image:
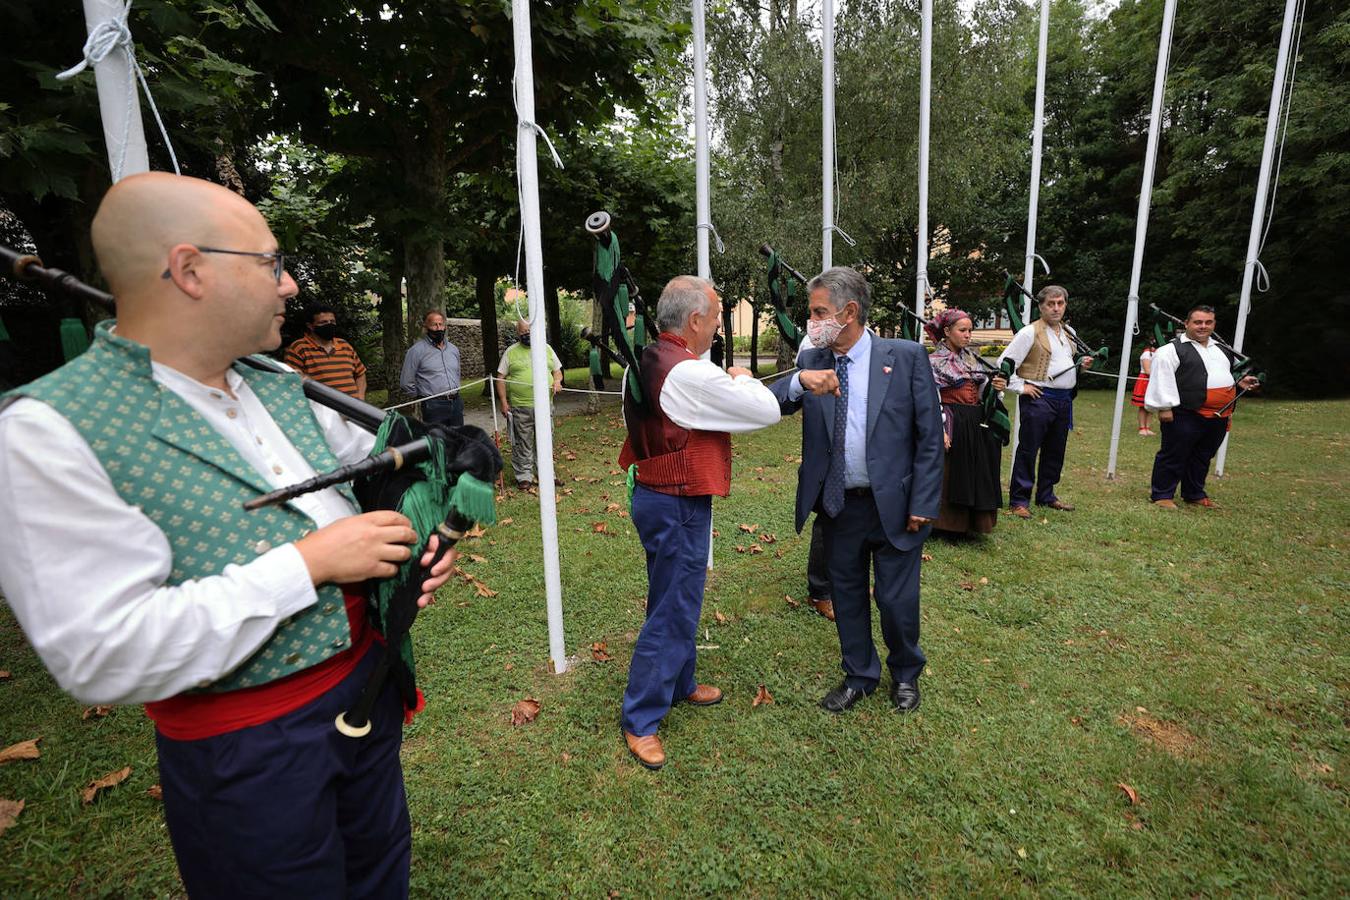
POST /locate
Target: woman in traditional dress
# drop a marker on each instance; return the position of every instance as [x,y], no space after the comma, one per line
[971,489]
[1141,385]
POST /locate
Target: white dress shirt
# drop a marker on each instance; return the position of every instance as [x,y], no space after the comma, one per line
[1061,358]
[701,396]
[1162,377]
[85,572]
[855,426]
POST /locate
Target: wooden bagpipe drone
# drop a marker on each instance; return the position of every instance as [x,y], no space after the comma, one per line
[784,282]
[615,289]
[439,477]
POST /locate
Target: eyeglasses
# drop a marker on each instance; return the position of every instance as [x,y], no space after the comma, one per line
[278,259]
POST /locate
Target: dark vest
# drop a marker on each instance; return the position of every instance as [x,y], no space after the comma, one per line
[671,459]
[1192,376]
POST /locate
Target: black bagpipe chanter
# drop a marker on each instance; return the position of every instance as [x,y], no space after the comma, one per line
[440,477]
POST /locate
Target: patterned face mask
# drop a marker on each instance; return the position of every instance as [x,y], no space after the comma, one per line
[823,332]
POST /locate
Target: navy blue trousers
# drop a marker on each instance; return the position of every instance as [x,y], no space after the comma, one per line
[1044,431]
[817,566]
[443,411]
[1189,442]
[292,808]
[855,542]
[675,533]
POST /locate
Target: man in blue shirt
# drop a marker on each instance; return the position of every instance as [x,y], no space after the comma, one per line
[872,473]
[431,372]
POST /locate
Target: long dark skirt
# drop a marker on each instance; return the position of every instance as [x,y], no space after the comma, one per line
[971,490]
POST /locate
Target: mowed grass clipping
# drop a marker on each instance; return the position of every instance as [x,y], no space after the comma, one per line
[1119,701]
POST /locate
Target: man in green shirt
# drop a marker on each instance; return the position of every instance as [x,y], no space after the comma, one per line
[515,393]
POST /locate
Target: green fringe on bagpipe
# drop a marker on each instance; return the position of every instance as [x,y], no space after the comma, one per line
[74,338]
[426,503]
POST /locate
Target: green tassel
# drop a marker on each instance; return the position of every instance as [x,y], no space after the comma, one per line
[74,338]
[475,499]
[632,481]
[4,333]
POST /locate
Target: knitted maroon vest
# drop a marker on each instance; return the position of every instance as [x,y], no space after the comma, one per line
[671,459]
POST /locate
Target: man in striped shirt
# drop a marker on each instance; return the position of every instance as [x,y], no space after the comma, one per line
[322,355]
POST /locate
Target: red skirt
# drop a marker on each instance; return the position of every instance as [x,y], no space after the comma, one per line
[1140,386]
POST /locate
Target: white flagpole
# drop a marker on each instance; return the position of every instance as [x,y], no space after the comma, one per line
[925,100]
[1141,225]
[1033,203]
[701,193]
[1262,192]
[534,282]
[119,101]
[827,136]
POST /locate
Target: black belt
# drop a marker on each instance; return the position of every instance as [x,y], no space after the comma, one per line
[446,397]
[858,492]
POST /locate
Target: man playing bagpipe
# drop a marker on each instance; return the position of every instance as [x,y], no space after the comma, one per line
[137,575]
[1192,388]
[678,451]
[1046,375]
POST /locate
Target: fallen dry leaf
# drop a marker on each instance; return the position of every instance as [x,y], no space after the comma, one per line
[21,750]
[740,549]
[509,666]
[795,604]
[475,532]
[756,548]
[966,585]
[613,507]
[506,521]
[721,619]
[4,675]
[483,590]
[110,780]
[91,712]
[1129,792]
[474,557]
[599,652]
[1076,720]
[583,510]
[569,455]
[155,791]
[926,557]
[767,538]
[601,528]
[566,757]
[748,529]
[716,533]
[984,581]
[9,813]
[762,696]
[525,711]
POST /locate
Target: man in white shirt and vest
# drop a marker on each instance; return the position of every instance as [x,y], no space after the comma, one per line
[244,634]
[679,441]
[1191,388]
[1047,378]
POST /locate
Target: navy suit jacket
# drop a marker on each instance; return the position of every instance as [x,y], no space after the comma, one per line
[904,437]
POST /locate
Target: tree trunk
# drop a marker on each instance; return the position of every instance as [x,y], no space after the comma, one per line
[424,246]
[393,338]
[485,290]
[754,340]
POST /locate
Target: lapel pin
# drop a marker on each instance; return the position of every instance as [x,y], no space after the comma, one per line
[885,370]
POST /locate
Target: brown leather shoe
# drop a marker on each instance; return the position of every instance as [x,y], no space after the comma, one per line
[646,749]
[704,695]
[1061,505]
[824,607]
[1205,502]
[1020,511]
[1165,503]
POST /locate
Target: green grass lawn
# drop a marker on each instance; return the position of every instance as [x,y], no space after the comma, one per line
[1198,657]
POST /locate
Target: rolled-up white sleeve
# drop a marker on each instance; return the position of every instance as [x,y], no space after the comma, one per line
[1162,381]
[84,573]
[700,396]
[1017,351]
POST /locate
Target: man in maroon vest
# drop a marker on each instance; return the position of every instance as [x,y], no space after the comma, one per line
[679,440]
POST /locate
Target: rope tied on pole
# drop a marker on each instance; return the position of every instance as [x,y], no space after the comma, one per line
[104,38]
[842,233]
[717,238]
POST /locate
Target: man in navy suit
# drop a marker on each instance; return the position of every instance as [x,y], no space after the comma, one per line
[872,472]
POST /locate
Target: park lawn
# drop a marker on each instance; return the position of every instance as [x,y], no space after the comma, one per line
[1197,657]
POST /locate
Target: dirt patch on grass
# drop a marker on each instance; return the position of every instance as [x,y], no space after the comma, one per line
[1169,737]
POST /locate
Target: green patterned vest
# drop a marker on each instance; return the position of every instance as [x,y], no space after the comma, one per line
[165,459]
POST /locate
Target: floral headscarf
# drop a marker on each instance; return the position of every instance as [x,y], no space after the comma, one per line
[938,326]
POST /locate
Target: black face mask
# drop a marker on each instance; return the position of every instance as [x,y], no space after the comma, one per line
[436,335]
[326,331]
[525,339]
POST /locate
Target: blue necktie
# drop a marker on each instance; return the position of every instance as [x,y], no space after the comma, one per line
[834,476]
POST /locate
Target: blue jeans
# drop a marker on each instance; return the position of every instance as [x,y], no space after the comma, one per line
[675,532]
[443,411]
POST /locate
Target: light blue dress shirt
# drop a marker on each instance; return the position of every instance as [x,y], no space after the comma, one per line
[855,428]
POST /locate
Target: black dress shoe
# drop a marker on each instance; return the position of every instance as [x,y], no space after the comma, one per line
[841,698]
[905,696]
